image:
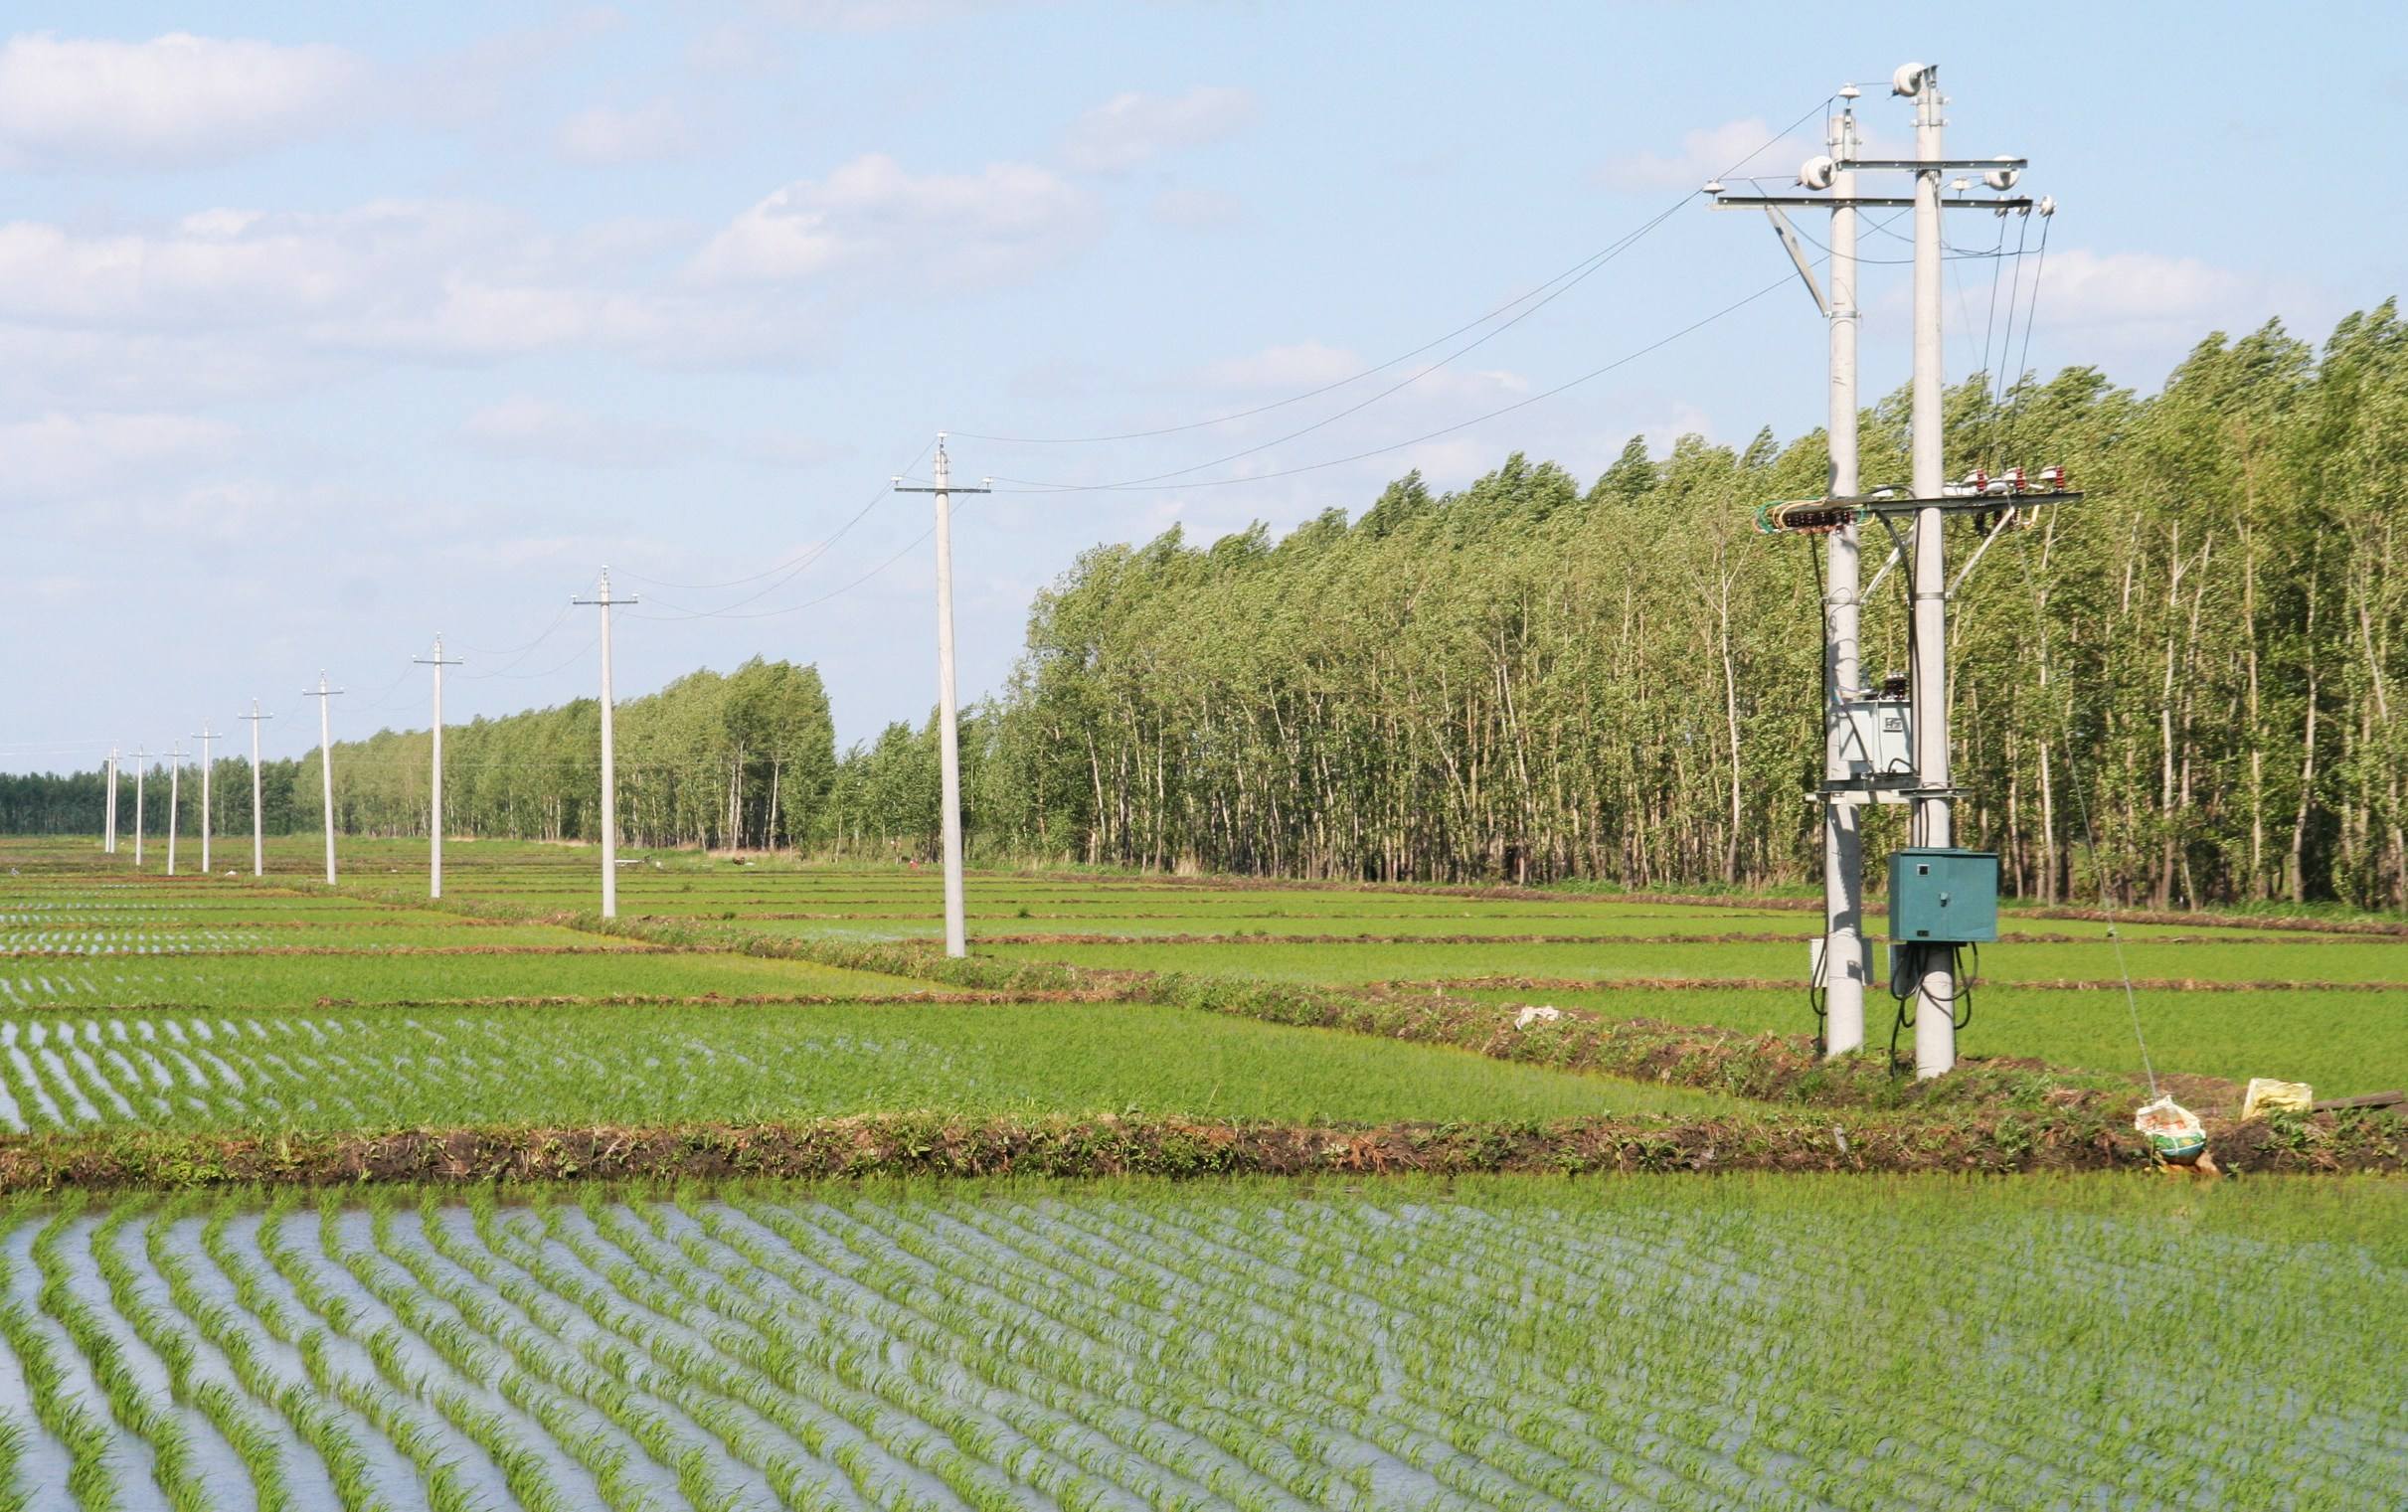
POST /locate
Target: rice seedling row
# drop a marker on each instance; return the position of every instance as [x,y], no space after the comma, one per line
[564,1067]
[1257,1346]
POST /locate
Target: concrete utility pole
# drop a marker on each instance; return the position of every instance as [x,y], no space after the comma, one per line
[1845,957]
[175,782]
[325,761]
[949,722]
[141,769]
[1935,1026]
[434,804]
[259,856]
[109,842]
[206,738]
[609,761]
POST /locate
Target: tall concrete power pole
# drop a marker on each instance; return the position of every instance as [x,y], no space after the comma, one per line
[323,694]
[1844,957]
[1932,825]
[258,850]
[435,801]
[207,738]
[175,783]
[948,718]
[109,842]
[141,769]
[610,758]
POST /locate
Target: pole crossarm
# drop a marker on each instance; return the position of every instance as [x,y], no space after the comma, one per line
[1814,516]
[1916,165]
[1861,201]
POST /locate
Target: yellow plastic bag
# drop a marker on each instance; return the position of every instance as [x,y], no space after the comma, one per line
[2266,1093]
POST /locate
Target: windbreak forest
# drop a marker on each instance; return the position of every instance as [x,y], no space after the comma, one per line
[2205,664]
[1533,680]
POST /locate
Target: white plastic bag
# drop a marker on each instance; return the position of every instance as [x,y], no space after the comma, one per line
[1540,1014]
[2175,1133]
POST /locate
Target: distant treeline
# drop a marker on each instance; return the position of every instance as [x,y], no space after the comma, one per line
[2206,662]
[745,759]
[1532,679]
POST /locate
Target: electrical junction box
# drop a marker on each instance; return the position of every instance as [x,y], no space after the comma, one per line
[1944,895]
[1877,742]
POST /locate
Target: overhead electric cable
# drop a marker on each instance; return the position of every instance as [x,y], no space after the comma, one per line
[382,696]
[521,650]
[1575,274]
[1364,404]
[810,554]
[1573,383]
[570,659]
[808,603]
[2031,318]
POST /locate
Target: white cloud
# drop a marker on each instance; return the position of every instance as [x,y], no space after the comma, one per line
[224,267]
[57,455]
[487,77]
[649,133]
[1703,154]
[1301,365]
[2091,289]
[173,100]
[425,281]
[731,48]
[1130,129]
[874,217]
[537,430]
[871,15]
[1198,208]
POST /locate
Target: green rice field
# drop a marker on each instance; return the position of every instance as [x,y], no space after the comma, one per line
[1523,1345]
[1360,1342]
[2229,998]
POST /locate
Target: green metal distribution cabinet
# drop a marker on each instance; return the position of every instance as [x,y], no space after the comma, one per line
[1940,895]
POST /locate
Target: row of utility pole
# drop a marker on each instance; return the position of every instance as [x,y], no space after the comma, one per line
[948,739]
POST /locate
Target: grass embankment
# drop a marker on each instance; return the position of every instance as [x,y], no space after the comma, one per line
[1973,1141]
[1007,1077]
[2004,1114]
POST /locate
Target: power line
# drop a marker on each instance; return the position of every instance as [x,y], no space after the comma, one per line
[530,646]
[574,656]
[1401,384]
[805,559]
[1573,383]
[1577,273]
[810,603]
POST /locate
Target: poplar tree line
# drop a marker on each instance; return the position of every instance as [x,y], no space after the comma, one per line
[1530,680]
[2203,667]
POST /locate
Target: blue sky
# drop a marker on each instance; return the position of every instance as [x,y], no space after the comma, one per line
[327,328]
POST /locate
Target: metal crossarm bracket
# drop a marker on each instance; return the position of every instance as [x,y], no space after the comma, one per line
[1860,202]
[1969,503]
